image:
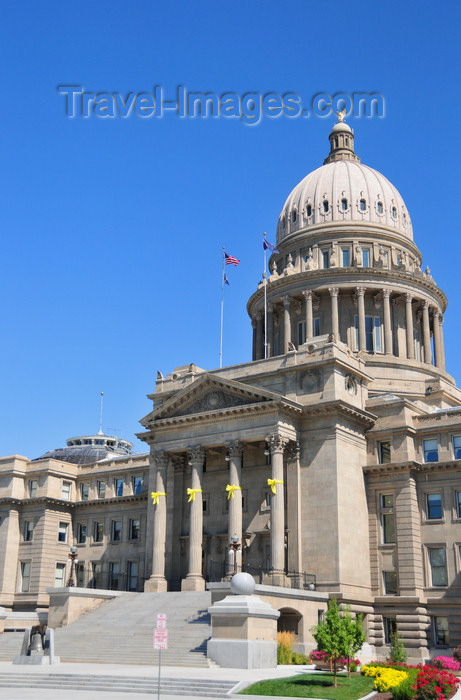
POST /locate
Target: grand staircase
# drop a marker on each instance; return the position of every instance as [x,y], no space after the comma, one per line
[122,629]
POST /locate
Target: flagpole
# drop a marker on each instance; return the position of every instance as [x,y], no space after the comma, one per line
[265,300]
[222,310]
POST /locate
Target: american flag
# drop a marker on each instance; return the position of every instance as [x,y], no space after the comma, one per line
[230,260]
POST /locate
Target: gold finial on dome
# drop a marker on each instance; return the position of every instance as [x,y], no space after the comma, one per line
[341,114]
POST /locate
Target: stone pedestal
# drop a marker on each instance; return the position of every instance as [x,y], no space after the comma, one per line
[193,583]
[156,584]
[243,632]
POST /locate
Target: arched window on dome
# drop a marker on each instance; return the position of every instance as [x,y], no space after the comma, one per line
[326,206]
[379,207]
[363,205]
[394,213]
[309,210]
[344,204]
[294,215]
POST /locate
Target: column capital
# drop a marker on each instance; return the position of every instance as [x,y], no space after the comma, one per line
[408,298]
[425,304]
[196,455]
[293,449]
[307,293]
[270,307]
[179,463]
[234,448]
[161,459]
[334,291]
[360,291]
[386,293]
[286,301]
[258,315]
[276,443]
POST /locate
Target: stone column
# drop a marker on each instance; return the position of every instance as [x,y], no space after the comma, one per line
[309,314]
[270,329]
[334,312]
[194,580]
[259,350]
[426,333]
[360,291]
[276,445]
[437,339]
[286,324]
[442,344]
[409,327]
[388,346]
[157,581]
[235,452]
[294,522]
[253,326]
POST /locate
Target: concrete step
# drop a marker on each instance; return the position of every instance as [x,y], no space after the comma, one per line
[137,684]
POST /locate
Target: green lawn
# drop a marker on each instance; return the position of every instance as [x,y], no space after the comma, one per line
[314,685]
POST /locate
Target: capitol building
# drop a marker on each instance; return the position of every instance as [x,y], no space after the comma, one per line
[332,458]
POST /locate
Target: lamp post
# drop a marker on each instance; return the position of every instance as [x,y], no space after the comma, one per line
[235,546]
[72,560]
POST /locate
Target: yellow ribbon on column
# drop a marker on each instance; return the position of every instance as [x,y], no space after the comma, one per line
[272,482]
[191,493]
[231,488]
[155,495]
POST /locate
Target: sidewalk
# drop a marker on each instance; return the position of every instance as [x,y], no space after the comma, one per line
[228,674]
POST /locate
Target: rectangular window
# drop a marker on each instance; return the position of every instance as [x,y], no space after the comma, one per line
[390,629]
[80,574]
[134,529]
[438,563]
[316,327]
[33,486]
[365,257]
[345,257]
[114,575]
[301,332]
[434,506]
[387,518]
[116,530]
[440,631]
[59,574]
[65,491]
[373,333]
[25,576]
[384,452]
[28,530]
[101,489]
[62,532]
[81,533]
[458,504]
[84,492]
[137,484]
[98,532]
[431,450]
[457,446]
[390,582]
[325,259]
[132,575]
[97,575]
[119,483]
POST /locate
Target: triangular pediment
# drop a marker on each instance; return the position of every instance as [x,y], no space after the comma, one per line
[208,394]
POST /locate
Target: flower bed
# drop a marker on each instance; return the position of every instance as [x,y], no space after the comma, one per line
[412,682]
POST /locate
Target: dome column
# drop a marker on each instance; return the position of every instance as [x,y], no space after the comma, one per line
[276,445]
[409,327]
[235,453]
[437,320]
[426,333]
[309,314]
[360,291]
[388,344]
[259,350]
[334,291]
[286,324]
[270,330]
[157,581]
[194,580]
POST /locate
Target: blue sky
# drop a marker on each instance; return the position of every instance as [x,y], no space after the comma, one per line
[112,228]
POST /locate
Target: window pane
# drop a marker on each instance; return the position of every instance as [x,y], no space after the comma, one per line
[441,631]
[434,505]
[101,489]
[65,493]
[81,533]
[387,501]
[132,575]
[59,575]
[390,582]
[85,490]
[325,259]
[134,529]
[119,487]
[137,484]
[98,532]
[316,326]
[384,452]
[458,504]
[116,530]
[25,576]
[365,257]
[388,528]
[377,347]
[346,256]
[457,446]
[301,332]
[431,453]
[62,532]
[33,485]
[437,558]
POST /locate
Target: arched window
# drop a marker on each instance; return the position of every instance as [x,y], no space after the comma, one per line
[309,210]
[344,204]
[394,213]
[326,206]
[379,207]
[363,205]
[294,215]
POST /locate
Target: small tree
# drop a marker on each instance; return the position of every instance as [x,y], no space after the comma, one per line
[339,635]
[397,653]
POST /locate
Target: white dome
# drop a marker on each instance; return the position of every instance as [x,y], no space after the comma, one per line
[340,192]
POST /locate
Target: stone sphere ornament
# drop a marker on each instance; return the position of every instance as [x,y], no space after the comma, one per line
[242,584]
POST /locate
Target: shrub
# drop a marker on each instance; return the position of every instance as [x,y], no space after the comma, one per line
[397,653]
[386,678]
[434,684]
[284,647]
[446,662]
[299,659]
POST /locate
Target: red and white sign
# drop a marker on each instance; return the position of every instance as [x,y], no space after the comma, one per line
[161,621]
[161,639]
